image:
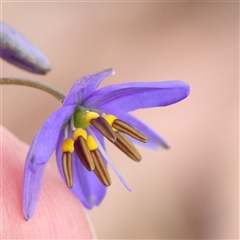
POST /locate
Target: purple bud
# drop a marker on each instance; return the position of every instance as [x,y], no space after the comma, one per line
[17,50]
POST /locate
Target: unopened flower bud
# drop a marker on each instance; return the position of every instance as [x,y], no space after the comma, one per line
[16,49]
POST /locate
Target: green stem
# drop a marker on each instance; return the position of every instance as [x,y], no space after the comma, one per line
[34,84]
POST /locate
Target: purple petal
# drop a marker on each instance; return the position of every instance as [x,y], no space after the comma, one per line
[85,86]
[16,49]
[31,183]
[46,140]
[132,96]
[86,186]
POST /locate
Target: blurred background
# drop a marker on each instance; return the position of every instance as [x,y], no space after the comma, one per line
[189,191]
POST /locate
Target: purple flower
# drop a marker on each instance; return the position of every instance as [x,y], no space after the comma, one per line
[16,49]
[76,131]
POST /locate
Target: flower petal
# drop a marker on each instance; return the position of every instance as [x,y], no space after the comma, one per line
[155,141]
[45,141]
[31,183]
[86,186]
[132,96]
[85,86]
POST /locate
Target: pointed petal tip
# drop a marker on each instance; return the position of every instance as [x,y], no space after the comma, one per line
[113,72]
[109,71]
[27,216]
[179,84]
[186,86]
[165,145]
[187,89]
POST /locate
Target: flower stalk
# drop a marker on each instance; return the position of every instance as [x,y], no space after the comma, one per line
[34,84]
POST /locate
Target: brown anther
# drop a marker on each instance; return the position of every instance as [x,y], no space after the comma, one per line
[83,153]
[67,168]
[100,168]
[104,128]
[127,147]
[129,130]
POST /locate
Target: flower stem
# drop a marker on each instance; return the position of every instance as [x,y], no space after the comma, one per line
[34,84]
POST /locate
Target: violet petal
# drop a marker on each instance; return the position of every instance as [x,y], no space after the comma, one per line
[47,137]
[131,96]
[32,183]
[85,86]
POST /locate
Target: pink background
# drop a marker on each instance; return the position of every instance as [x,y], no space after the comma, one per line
[189,191]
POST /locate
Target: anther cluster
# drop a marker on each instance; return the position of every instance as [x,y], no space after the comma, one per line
[86,145]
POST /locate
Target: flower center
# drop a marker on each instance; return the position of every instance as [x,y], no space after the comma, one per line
[87,147]
[78,119]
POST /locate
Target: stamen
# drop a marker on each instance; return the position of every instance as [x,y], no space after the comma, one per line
[67,168]
[83,153]
[104,154]
[92,145]
[109,118]
[104,128]
[67,149]
[67,145]
[79,132]
[90,115]
[127,147]
[129,130]
[100,169]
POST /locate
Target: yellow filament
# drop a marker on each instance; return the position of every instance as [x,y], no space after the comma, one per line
[79,132]
[92,145]
[110,119]
[67,145]
[90,115]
